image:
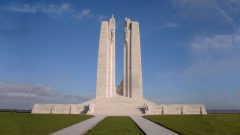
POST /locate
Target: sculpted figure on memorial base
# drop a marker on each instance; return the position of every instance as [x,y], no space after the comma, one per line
[112,27]
[126,31]
[90,107]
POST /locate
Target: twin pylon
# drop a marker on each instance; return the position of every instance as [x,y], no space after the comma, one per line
[131,85]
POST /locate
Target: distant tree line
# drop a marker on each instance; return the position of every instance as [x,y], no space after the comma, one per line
[15,110]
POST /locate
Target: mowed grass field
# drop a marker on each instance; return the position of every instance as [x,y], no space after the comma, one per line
[116,125]
[35,124]
[212,124]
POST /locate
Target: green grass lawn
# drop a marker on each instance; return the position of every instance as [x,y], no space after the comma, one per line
[116,125]
[212,124]
[35,124]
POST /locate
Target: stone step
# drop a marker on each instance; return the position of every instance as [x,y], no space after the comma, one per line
[117,107]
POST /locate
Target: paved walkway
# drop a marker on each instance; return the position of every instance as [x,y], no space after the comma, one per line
[81,127]
[151,128]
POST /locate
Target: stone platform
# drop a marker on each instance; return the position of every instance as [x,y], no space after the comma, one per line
[119,106]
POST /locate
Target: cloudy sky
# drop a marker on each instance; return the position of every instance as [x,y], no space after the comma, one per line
[190,50]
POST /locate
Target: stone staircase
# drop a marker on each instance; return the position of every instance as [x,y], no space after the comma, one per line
[118,106]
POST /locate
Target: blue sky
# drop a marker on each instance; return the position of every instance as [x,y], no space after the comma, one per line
[190,50]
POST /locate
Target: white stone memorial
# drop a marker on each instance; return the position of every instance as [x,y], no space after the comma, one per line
[127,98]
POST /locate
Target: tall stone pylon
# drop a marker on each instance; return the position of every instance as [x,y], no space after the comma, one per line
[132,70]
[105,87]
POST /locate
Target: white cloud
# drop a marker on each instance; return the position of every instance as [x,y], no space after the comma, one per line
[212,75]
[170,25]
[225,15]
[52,10]
[216,57]
[101,17]
[25,91]
[41,8]
[237,2]
[207,9]
[22,8]
[193,3]
[57,8]
[81,14]
[75,97]
[217,43]
[23,96]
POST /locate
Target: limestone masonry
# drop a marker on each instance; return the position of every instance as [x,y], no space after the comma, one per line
[105,87]
[127,98]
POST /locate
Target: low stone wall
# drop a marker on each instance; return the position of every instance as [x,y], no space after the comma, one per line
[61,109]
[77,109]
[191,109]
[172,109]
[58,109]
[184,109]
[42,108]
